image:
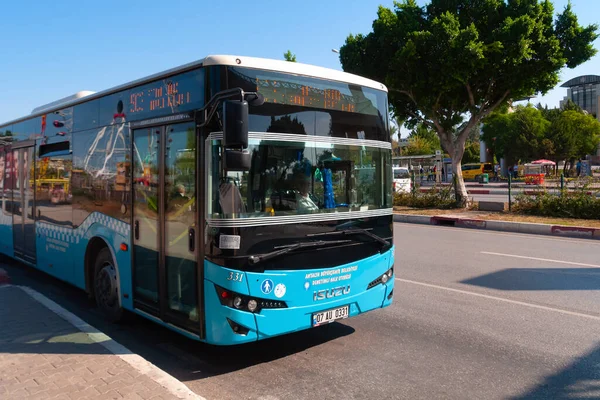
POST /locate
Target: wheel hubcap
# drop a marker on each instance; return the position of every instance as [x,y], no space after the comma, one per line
[106,285]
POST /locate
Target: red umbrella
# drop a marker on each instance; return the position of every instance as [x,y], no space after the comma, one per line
[544,162]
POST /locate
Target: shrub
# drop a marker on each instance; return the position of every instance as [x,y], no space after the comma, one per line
[577,204]
[434,198]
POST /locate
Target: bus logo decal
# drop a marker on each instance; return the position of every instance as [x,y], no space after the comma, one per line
[280,290]
[330,293]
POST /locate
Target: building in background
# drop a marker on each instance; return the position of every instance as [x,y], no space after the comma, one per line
[584,91]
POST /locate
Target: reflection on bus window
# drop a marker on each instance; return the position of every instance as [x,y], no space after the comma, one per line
[101,172]
[53,190]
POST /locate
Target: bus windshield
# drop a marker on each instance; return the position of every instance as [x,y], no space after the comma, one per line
[318,146]
[299,176]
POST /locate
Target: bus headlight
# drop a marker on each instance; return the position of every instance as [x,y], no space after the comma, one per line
[237,302]
[383,279]
[242,302]
[252,305]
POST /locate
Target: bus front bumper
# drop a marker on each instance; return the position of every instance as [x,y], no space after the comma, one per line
[228,326]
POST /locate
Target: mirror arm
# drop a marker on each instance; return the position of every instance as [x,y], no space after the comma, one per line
[209,110]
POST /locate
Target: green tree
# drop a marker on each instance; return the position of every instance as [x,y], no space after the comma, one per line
[418,146]
[451,63]
[530,130]
[574,134]
[520,135]
[471,152]
[498,134]
[422,131]
[289,56]
[422,141]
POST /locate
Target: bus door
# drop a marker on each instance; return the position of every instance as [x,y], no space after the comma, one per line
[23,201]
[164,223]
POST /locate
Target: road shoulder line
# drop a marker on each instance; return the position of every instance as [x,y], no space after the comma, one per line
[516,302]
[170,383]
[540,259]
[576,232]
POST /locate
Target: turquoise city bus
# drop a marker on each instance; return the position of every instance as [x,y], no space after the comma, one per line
[231,199]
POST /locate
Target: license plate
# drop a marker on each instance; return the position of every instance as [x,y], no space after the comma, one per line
[328,316]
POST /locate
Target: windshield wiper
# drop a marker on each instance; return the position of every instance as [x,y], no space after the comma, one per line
[356,231]
[286,249]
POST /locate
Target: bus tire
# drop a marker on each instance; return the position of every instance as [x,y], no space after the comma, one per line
[106,286]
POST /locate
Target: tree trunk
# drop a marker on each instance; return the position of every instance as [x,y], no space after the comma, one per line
[462,197]
[456,149]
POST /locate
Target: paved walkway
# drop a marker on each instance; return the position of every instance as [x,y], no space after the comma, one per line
[48,353]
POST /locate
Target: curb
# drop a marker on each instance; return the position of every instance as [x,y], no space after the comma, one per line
[502,192]
[503,226]
[174,386]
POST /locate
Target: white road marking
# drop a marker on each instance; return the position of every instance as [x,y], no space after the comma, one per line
[541,259]
[177,388]
[504,233]
[486,296]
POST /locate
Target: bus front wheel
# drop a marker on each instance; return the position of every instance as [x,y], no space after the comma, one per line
[106,286]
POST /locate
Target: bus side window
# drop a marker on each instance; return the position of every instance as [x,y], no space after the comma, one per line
[53,187]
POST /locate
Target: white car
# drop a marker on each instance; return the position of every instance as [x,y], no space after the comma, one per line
[402,182]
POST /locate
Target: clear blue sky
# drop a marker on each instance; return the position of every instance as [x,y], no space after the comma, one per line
[53,52]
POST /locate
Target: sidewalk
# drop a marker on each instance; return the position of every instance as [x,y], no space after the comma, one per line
[48,353]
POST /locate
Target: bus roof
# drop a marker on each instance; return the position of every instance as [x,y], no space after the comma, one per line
[228,60]
[293,68]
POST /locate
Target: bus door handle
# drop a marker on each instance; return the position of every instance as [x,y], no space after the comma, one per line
[191,239]
[136,229]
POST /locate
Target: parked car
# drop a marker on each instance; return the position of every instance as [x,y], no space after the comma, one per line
[472,171]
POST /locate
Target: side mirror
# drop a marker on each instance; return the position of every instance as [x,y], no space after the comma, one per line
[235,124]
[237,160]
[235,135]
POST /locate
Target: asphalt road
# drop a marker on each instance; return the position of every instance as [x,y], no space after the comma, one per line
[477,315]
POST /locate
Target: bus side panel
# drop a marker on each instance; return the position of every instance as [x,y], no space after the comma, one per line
[6,235]
[61,250]
[54,246]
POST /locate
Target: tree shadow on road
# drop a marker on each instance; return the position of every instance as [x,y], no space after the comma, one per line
[539,279]
[580,380]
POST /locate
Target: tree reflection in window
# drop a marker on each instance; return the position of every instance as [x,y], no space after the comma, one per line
[53,190]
